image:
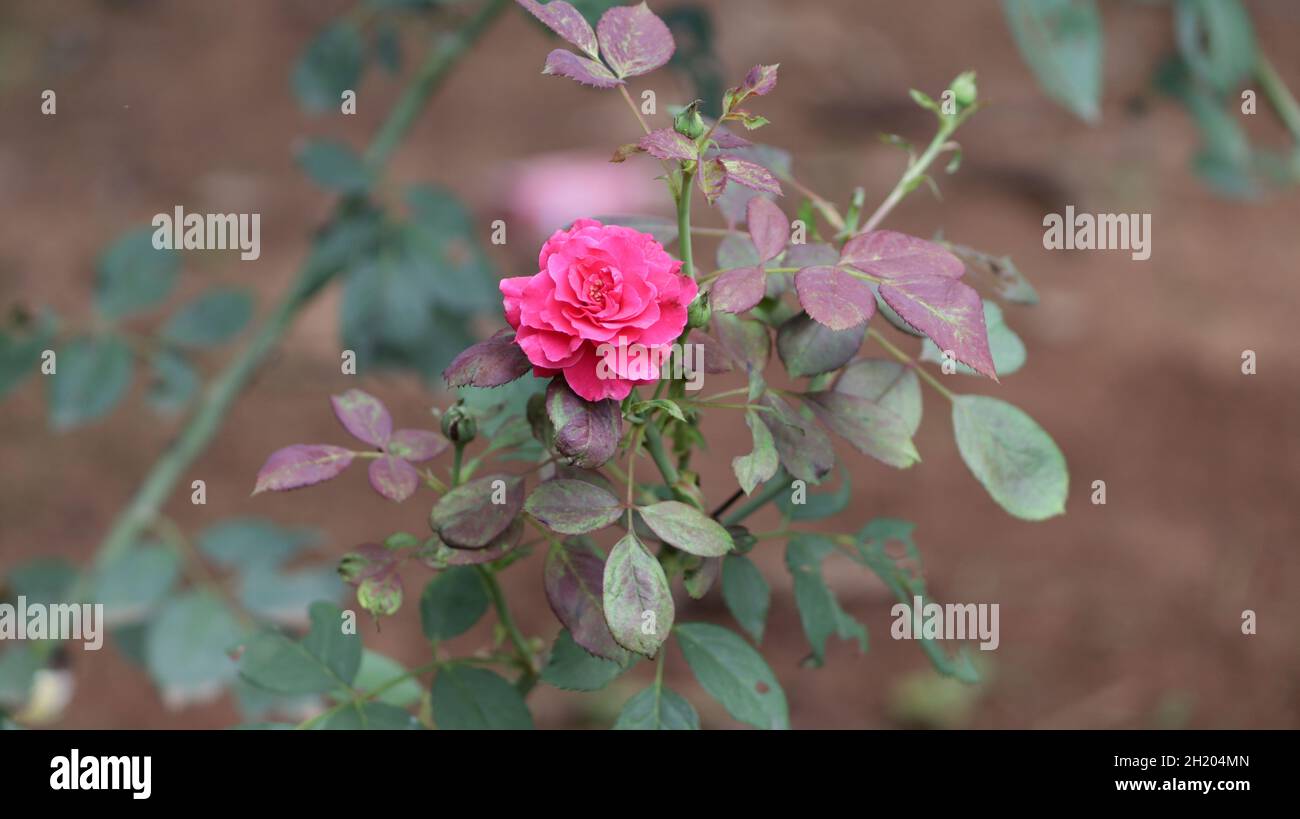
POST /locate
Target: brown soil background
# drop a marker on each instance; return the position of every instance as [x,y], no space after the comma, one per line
[1123,615]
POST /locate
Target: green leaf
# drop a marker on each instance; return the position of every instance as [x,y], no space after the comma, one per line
[334,166]
[1216,40]
[902,575]
[734,674]
[1007,348]
[817,505]
[871,428]
[285,597]
[133,275]
[213,318]
[452,603]
[19,354]
[808,347]
[657,709]
[761,463]
[637,599]
[186,648]
[467,698]
[245,543]
[376,670]
[45,580]
[135,583]
[819,610]
[889,384]
[1007,451]
[370,716]
[670,407]
[746,593]
[173,382]
[332,64]
[325,660]
[573,507]
[687,528]
[572,668]
[1061,41]
[92,375]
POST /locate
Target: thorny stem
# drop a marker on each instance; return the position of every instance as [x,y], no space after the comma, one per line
[911,362]
[218,397]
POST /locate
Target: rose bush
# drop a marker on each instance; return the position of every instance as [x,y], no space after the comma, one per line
[815,288]
[599,288]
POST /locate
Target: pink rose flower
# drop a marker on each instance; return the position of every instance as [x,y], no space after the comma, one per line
[604,309]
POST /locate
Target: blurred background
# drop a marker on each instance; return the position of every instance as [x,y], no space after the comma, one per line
[1124,615]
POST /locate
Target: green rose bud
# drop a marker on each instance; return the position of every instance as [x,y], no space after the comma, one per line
[699,312]
[459,425]
[689,123]
[963,90]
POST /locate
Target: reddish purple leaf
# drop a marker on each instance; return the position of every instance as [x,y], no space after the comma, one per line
[768,227]
[889,254]
[804,448]
[574,577]
[745,340]
[588,72]
[738,290]
[474,514]
[833,297]
[393,478]
[491,363]
[751,175]
[726,140]
[712,176]
[301,465]
[761,79]
[633,40]
[815,254]
[716,358]
[417,444]
[665,143]
[565,21]
[363,415]
[949,312]
[438,555]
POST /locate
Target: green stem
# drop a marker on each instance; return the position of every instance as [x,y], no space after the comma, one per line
[456,459]
[529,678]
[914,172]
[218,397]
[655,443]
[774,487]
[684,223]
[1279,95]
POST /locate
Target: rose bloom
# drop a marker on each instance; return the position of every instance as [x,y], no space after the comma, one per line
[604,308]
